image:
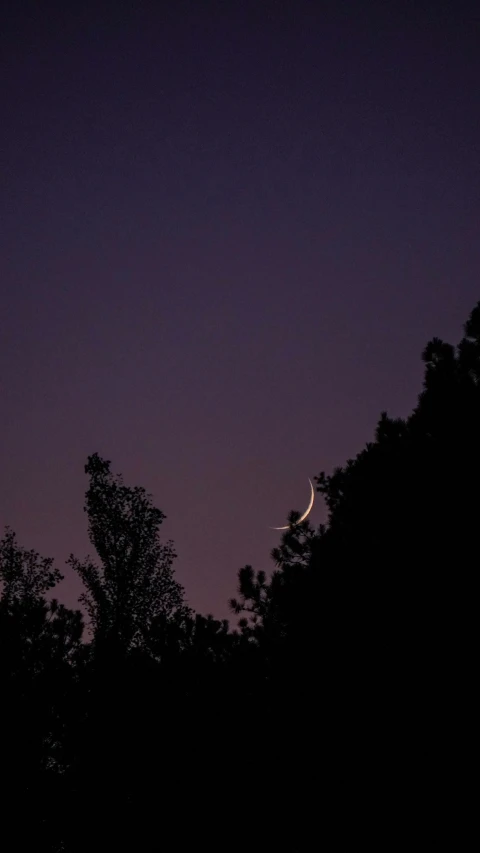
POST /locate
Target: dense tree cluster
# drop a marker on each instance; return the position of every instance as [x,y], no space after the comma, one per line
[315,719]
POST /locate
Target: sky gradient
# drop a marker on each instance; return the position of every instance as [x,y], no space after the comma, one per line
[227,231]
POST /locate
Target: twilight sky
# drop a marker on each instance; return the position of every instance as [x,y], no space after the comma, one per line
[227,230]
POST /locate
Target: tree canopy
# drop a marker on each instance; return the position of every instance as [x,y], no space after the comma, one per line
[134,587]
[347,664]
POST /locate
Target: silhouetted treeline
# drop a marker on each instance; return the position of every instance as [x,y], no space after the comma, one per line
[333,715]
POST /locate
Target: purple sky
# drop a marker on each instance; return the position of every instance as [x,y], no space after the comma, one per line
[227,230]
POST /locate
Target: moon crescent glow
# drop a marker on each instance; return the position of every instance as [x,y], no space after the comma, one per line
[312,498]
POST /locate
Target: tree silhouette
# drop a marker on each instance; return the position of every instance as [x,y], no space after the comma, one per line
[25,576]
[374,612]
[40,633]
[134,585]
[40,647]
[352,661]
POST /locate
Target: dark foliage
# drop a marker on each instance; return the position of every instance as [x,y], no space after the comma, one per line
[134,588]
[325,718]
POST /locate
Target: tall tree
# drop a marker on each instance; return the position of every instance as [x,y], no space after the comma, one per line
[134,585]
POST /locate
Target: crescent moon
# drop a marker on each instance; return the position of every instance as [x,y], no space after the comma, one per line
[312,498]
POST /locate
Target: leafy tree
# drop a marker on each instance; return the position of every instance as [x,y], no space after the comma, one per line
[134,584]
[409,496]
[40,632]
[25,576]
[40,648]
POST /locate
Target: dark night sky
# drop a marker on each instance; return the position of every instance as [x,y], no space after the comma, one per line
[227,231]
